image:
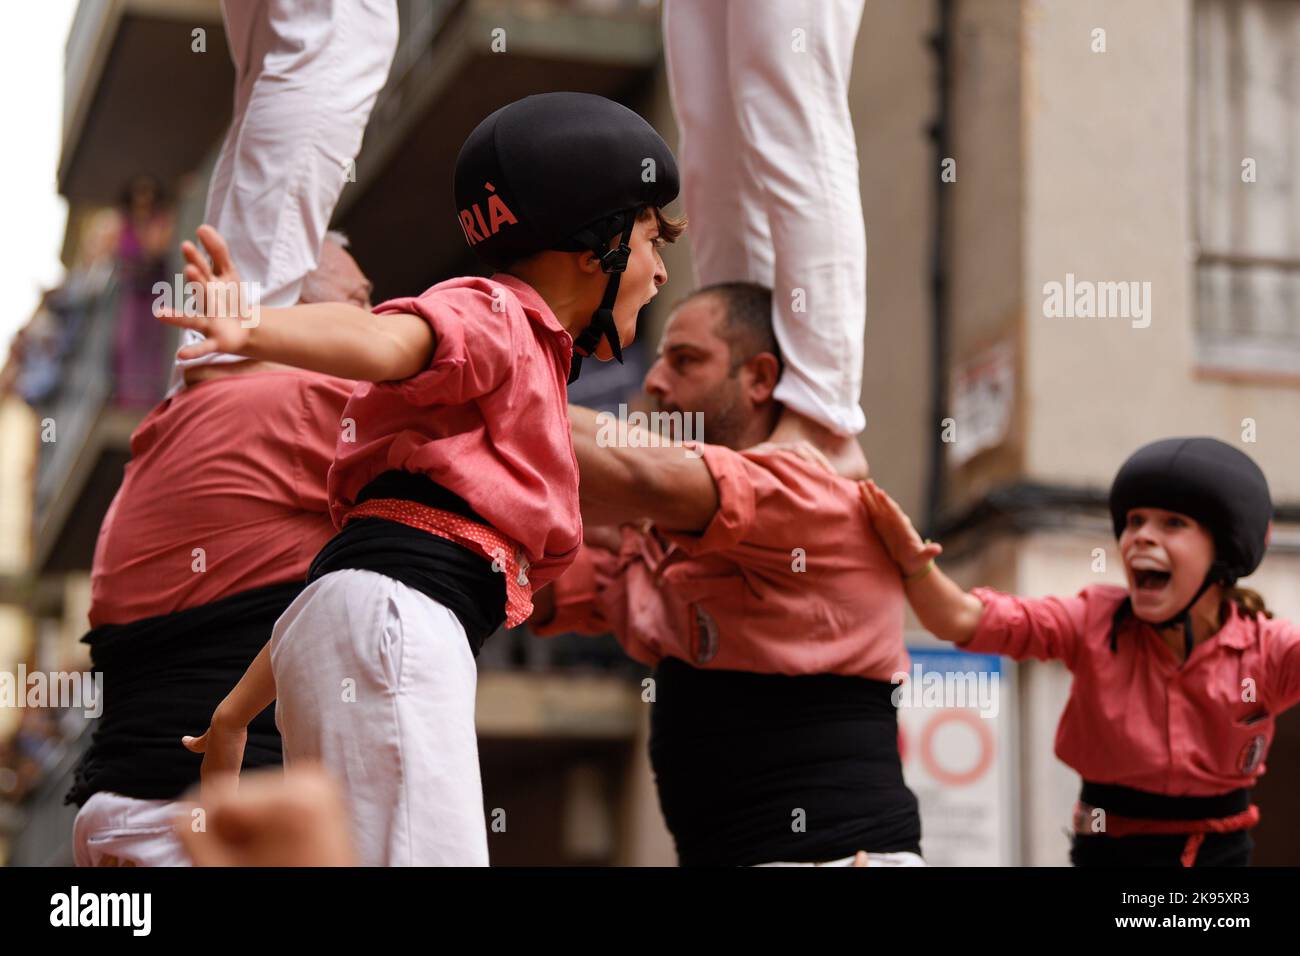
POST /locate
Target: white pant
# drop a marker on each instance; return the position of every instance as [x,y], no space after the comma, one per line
[377,682]
[113,830]
[769,169]
[306,77]
[904,858]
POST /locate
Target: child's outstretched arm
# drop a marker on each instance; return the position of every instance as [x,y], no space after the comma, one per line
[329,337]
[222,744]
[945,610]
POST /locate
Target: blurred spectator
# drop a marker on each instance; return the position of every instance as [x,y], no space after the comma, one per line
[32,370]
[25,758]
[139,364]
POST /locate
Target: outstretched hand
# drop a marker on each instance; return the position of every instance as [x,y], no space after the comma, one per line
[223,755]
[223,311]
[216,266]
[908,549]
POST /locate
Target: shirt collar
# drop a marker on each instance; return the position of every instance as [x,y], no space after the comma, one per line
[533,302]
[1236,631]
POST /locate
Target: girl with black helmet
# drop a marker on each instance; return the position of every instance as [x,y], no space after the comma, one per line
[1178,678]
[454,482]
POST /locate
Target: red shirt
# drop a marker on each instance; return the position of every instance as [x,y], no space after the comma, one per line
[488,420]
[234,466]
[788,578]
[1134,717]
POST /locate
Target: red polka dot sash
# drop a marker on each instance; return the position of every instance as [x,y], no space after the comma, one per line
[486,540]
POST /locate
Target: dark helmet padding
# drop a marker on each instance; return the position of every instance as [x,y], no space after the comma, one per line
[568,172]
[1206,479]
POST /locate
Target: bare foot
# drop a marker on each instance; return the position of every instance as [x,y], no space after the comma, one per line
[842,451]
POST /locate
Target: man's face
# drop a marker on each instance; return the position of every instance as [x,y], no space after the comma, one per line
[337,278]
[692,372]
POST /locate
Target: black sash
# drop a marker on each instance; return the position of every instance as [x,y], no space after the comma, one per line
[459,579]
[1144,805]
[1161,849]
[163,677]
[736,756]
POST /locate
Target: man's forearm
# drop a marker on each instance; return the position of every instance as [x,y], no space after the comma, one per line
[623,483]
[343,340]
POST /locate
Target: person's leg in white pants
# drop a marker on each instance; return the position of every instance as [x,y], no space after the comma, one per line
[770,179]
[306,78]
[115,830]
[376,681]
[729,235]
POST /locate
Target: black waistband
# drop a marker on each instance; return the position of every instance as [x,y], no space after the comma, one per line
[1128,802]
[162,678]
[755,768]
[410,486]
[459,579]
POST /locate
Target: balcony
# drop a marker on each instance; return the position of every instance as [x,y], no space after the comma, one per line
[136,98]
[79,471]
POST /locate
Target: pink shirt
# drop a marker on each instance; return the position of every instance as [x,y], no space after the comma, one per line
[488,420]
[1134,717]
[788,578]
[234,466]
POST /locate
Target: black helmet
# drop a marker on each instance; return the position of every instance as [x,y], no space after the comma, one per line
[1206,479]
[563,171]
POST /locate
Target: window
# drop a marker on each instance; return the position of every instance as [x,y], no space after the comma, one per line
[1246,168]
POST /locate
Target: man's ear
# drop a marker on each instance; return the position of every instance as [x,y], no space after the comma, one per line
[764,371]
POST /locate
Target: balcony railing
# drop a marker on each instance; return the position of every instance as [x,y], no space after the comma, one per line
[84,389]
[85,435]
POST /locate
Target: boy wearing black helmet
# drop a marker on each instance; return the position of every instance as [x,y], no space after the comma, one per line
[1178,678]
[454,482]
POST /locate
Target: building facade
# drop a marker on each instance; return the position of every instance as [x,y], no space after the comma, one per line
[1081,224]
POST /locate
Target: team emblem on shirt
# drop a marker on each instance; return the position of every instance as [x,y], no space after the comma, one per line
[1252,755]
[706,636]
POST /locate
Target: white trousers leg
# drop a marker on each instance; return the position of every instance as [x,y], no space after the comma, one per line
[113,830]
[307,73]
[377,682]
[769,171]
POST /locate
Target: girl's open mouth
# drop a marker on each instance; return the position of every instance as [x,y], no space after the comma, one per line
[1150,580]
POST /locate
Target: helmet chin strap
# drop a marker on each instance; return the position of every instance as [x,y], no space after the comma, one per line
[613,262]
[1217,574]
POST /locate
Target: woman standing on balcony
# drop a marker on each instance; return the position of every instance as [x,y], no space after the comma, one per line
[139,341]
